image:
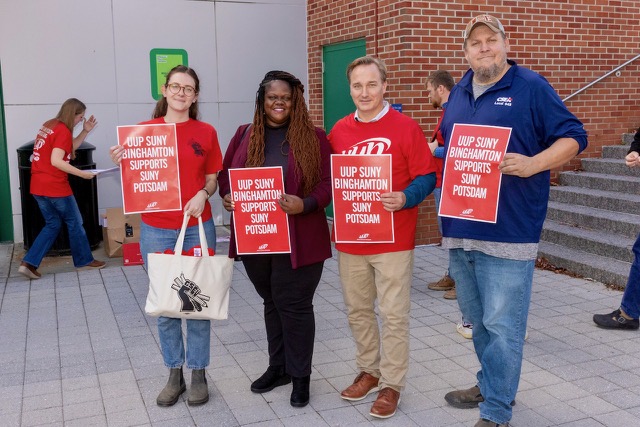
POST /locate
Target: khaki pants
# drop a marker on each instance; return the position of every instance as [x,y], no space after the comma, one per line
[387,278]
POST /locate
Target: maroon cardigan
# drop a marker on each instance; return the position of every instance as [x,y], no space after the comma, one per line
[309,232]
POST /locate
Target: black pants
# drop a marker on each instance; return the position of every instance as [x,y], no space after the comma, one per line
[288,308]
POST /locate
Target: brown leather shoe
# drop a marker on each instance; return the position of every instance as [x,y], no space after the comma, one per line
[29,270]
[450,294]
[386,404]
[96,264]
[362,386]
[443,284]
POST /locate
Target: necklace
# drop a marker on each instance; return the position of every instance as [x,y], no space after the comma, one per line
[284,144]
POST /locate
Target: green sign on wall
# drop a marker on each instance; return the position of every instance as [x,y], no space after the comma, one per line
[162,61]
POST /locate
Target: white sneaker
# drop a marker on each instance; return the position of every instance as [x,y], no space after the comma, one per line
[465,329]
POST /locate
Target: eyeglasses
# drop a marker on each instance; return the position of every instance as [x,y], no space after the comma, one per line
[175,88]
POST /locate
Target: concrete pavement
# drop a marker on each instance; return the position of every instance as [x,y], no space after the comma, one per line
[76,349]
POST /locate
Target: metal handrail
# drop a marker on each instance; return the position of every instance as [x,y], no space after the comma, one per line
[615,70]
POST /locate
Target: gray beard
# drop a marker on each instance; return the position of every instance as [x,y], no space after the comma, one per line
[488,74]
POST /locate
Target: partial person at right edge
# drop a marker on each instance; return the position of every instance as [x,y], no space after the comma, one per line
[626,317]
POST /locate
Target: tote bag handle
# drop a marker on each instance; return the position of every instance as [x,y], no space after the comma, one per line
[177,251]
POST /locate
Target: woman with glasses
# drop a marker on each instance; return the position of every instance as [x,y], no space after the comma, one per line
[53,149]
[282,134]
[199,160]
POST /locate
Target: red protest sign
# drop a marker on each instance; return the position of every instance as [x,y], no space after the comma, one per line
[471,178]
[149,168]
[357,182]
[260,225]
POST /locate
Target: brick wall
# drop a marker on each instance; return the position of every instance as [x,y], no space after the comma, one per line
[570,42]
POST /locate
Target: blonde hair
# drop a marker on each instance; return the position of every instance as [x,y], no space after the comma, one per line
[368,60]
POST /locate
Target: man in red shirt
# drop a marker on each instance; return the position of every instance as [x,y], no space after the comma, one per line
[382,270]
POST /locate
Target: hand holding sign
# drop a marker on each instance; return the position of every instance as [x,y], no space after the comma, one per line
[228,203]
[518,165]
[291,204]
[393,201]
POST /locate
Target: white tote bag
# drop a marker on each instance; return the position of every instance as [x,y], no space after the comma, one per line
[189,287]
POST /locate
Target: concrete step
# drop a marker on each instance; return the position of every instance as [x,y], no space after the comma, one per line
[602,269]
[609,166]
[610,245]
[625,224]
[601,181]
[615,151]
[602,199]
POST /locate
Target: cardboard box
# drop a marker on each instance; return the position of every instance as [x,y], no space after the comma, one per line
[118,229]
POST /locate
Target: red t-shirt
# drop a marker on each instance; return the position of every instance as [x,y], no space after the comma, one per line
[198,155]
[46,179]
[402,137]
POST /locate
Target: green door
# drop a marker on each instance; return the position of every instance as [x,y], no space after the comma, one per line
[336,100]
[6,215]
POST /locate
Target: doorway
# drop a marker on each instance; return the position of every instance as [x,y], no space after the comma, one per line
[336,100]
[6,214]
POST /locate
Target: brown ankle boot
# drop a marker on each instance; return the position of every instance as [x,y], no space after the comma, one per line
[174,388]
[199,392]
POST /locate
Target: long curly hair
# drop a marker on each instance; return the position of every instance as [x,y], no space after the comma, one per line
[301,134]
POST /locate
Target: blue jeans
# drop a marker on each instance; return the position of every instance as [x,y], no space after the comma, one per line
[631,297]
[55,210]
[153,240]
[494,295]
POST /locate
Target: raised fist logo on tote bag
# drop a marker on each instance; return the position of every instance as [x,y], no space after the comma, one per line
[190,294]
[190,287]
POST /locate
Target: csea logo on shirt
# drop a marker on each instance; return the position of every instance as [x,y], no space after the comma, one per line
[369,146]
[503,100]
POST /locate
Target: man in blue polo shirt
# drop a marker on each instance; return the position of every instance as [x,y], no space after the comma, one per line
[492,263]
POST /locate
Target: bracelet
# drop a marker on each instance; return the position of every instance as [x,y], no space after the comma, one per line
[205,190]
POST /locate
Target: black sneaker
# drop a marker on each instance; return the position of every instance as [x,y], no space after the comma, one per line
[615,320]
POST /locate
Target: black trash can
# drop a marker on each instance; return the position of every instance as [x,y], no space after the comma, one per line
[84,190]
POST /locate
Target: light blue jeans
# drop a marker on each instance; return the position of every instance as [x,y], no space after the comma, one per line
[153,240]
[494,295]
[631,297]
[55,210]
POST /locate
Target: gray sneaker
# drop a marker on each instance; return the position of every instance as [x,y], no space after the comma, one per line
[465,399]
[486,423]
